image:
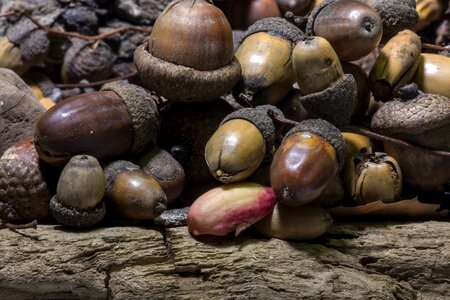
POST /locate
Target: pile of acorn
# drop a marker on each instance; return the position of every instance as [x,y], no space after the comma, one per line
[335,105]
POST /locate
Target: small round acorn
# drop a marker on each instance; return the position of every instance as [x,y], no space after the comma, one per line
[242,141]
[78,200]
[121,119]
[310,156]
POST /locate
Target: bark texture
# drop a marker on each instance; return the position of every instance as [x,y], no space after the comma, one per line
[352,261]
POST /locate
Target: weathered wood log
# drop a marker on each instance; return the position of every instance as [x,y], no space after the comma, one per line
[352,261]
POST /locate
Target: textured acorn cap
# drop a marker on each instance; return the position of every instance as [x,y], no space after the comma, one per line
[184,84]
[77,218]
[275,26]
[143,111]
[259,117]
[425,120]
[327,131]
[24,194]
[336,103]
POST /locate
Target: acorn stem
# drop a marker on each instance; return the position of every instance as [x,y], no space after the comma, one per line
[32,224]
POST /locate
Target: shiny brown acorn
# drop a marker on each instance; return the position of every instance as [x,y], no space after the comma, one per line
[120,119]
[309,157]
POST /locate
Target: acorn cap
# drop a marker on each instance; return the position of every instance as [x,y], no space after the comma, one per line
[77,218]
[24,194]
[325,130]
[276,26]
[33,42]
[184,84]
[113,168]
[143,111]
[424,120]
[259,117]
[336,103]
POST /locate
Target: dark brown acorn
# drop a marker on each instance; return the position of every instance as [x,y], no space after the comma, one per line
[132,193]
[121,119]
[189,54]
[309,157]
[344,23]
[246,12]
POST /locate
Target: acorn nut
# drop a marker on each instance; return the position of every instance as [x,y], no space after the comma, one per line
[265,57]
[245,13]
[239,145]
[189,54]
[310,156]
[132,193]
[297,7]
[344,23]
[373,176]
[24,184]
[429,11]
[433,74]
[121,119]
[396,65]
[328,92]
[79,193]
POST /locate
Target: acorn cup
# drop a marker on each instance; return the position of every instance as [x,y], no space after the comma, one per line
[78,200]
[242,141]
[433,74]
[344,23]
[189,54]
[373,176]
[400,118]
[120,120]
[23,46]
[133,194]
[265,57]
[310,156]
[328,92]
[396,65]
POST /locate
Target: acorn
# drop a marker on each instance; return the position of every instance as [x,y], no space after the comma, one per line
[132,193]
[228,208]
[119,120]
[310,156]
[166,170]
[373,176]
[23,46]
[82,61]
[24,190]
[242,141]
[433,74]
[78,200]
[362,83]
[396,65]
[328,92]
[396,15]
[189,54]
[344,23]
[265,57]
[292,108]
[422,120]
[301,223]
[19,109]
[245,13]
[429,11]
[297,7]
[332,195]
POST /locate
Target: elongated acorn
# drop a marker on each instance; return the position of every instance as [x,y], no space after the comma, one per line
[78,200]
[239,145]
[396,65]
[228,208]
[309,157]
[429,11]
[373,176]
[328,92]
[301,223]
[433,74]
[132,193]
[265,57]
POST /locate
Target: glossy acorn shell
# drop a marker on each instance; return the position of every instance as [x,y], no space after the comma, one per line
[246,12]
[192,33]
[344,23]
[297,7]
[301,168]
[433,74]
[96,124]
[82,183]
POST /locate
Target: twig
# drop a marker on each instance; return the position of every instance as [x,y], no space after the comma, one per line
[7,14]
[434,47]
[380,137]
[96,83]
[18,226]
